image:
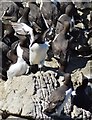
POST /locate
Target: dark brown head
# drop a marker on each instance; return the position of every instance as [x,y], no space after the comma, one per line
[8,30]
[40,38]
[24,40]
[69,10]
[12,11]
[67,79]
[12,56]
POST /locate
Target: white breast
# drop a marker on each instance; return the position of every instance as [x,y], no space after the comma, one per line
[19,51]
[17,69]
[38,53]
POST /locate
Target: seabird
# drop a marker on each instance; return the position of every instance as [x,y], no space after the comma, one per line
[60,46]
[38,53]
[68,16]
[8,29]
[38,50]
[35,16]
[4,62]
[24,18]
[20,67]
[49,11]
[24,39]
[17,69]
[59,97]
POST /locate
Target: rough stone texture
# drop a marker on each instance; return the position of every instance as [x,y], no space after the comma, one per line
[79,113]
[28,95]
[76,74]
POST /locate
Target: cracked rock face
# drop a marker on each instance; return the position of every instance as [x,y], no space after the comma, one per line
[29,95]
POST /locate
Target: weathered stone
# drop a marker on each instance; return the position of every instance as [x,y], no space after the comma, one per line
[29,95]
[76,112]
[78,65]
[2,90]
[79,113]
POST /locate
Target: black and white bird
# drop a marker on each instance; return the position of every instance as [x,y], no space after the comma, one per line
[38,51]
[37,48]
[20,67]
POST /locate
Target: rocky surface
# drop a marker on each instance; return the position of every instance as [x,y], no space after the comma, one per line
[26,96]
[79,113]
[29,95]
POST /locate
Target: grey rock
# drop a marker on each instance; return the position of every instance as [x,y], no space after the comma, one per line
[79,113]
[29,95]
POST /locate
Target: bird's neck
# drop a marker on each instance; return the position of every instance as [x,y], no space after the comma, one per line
[26,12]
[68,84]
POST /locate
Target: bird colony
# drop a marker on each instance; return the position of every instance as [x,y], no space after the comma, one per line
[35,34]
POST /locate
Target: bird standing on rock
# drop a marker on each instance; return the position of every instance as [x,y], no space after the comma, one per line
[59,97]
[37,52]
[60,46]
